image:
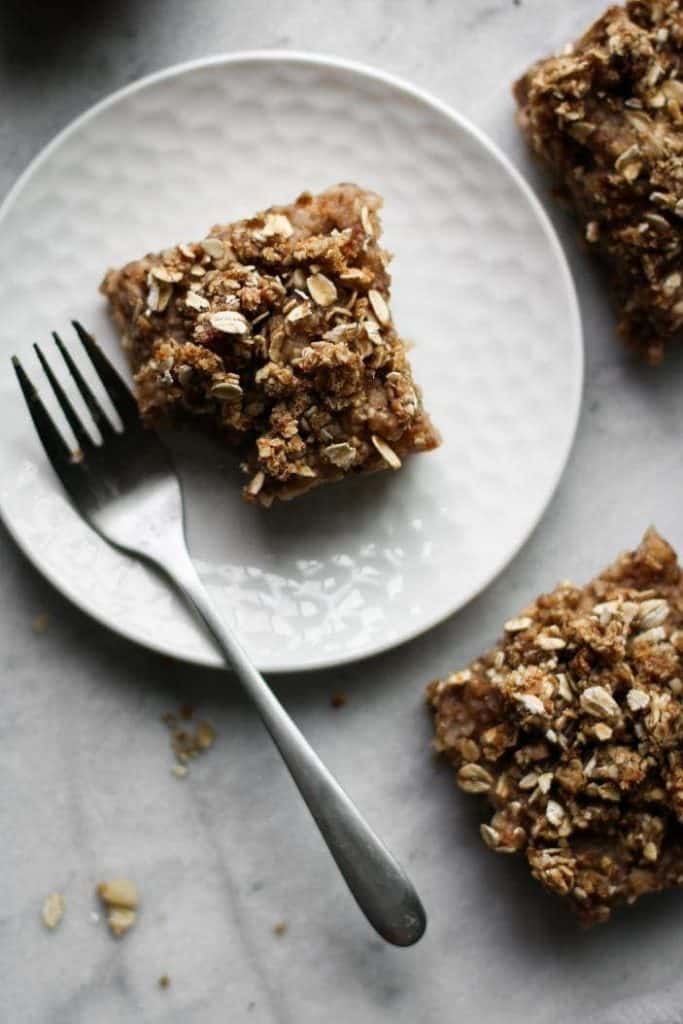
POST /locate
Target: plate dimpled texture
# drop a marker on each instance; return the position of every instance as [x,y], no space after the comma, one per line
[480,288]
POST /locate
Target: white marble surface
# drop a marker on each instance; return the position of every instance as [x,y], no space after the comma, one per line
[221,856]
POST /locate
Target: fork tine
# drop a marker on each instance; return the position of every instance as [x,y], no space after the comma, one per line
[96,411]
[74,420]
[58,452]
[120,394]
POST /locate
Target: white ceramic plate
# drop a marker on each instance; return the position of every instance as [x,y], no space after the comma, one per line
[480,285]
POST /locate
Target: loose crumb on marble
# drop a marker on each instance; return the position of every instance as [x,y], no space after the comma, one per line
[188,739]
[40,623]
[205,735]
[120,920]
[338,700]
[120,892]
[280,928]
[53,910]
[120,897]
[164,981]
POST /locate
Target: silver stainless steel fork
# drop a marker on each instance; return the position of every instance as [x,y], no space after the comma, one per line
[127,490]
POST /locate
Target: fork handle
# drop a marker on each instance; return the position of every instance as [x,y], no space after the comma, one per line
[378,883]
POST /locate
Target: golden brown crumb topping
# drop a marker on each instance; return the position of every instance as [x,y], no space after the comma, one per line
[605,117]
[573,728]
[276,331]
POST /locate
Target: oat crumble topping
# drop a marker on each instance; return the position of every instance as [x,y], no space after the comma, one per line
[606,118]
[573,728]
[188,740]
[276,332]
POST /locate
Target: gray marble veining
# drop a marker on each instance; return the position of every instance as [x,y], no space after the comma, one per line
[223,855]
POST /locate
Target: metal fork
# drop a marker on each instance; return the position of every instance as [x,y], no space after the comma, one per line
[127,490]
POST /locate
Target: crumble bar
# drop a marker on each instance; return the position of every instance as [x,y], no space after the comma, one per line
[53,909]
[573,728]
[276,332]
[606,118]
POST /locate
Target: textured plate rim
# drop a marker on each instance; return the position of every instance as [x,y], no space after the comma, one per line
[396,82]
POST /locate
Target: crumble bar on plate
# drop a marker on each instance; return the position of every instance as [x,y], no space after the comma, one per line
[276,333]
[572,727]
[606,118]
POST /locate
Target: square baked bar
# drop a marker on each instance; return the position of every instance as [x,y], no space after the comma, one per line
[276,333]
[572,727]
[606,117]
